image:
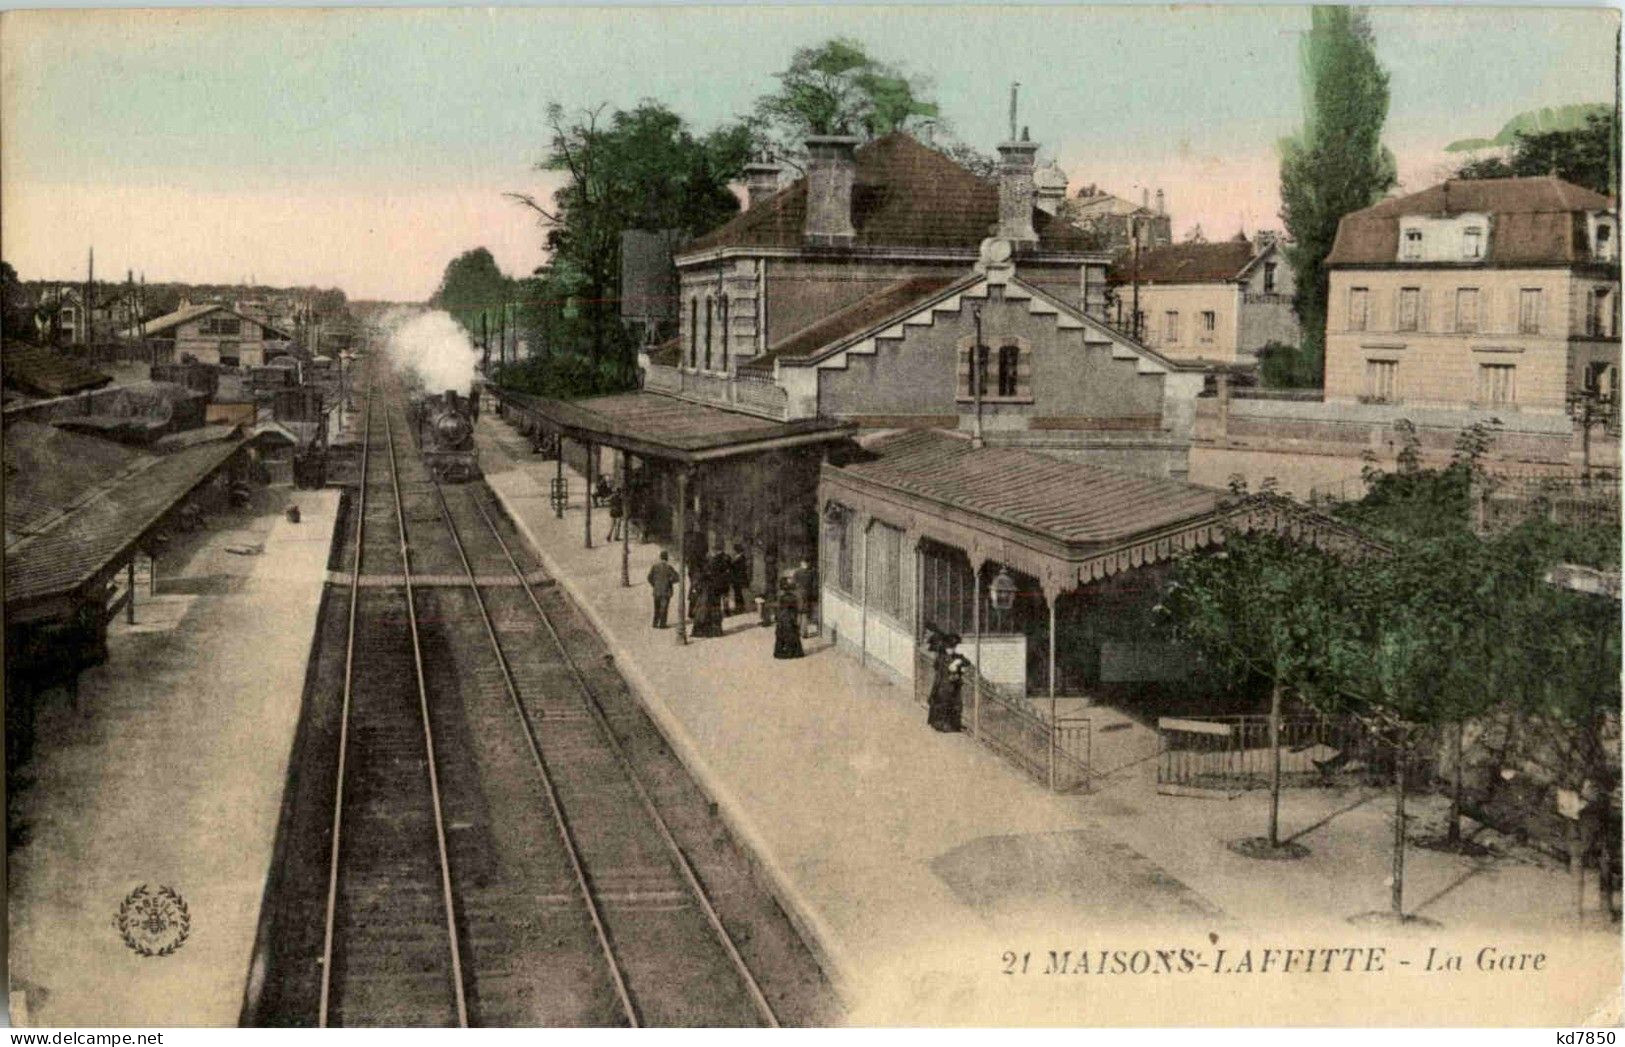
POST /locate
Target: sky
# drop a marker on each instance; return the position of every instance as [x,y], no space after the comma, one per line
[366,148]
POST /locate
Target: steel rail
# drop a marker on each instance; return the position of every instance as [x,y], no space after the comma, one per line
[595,709]
[344,722]
[566,835]
[428,733]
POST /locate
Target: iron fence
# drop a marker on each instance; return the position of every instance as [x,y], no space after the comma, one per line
[1055,753]
[1231,754]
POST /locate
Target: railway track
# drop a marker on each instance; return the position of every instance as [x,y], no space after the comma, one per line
[496,856]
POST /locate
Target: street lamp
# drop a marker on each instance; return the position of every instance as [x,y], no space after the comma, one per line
[1002,591]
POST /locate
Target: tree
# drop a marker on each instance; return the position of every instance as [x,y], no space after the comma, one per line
[1587,155]
[838,88]
[16,315]
[1337,163]
[1264,607]
[635,169]
[474,290]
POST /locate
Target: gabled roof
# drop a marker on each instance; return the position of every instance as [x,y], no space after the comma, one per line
[170,321]
[1533,220]
[885,313]
[42,372]
[905,195]
[1186,263]
[876,310]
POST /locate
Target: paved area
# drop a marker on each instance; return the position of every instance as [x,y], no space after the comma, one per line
[170,772]
[922,868]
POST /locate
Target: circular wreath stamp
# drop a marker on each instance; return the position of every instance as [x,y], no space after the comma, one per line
[153,923]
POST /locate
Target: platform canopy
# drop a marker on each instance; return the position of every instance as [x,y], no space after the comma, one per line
[78,505]
[1064,523]
[654,425]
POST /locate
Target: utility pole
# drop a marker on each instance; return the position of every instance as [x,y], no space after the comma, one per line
[85,305]
[1134,317]
[977,356]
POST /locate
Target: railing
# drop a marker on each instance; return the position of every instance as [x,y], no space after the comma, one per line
[1053,753]
[1231,754]
[760,396]
[1567,499]
[1265,298]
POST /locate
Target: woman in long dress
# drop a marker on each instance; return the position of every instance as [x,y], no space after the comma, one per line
[946,678]
[787,624]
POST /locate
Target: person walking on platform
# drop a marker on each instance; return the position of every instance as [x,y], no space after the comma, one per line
[787,624]
[805,580]
[739,576]
[662,580]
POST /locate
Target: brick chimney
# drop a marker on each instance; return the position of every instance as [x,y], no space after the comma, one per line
[761,181]
[1016,191]
[832,167]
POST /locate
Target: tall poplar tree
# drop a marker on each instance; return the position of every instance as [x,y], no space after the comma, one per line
[1337,163]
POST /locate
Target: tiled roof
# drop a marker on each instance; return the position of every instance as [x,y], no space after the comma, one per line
[666,423]
[900,297]
[48,470]
[90,537]
[37,370]
[1534,220]
[1185,263]
[1069,501]
[905,195]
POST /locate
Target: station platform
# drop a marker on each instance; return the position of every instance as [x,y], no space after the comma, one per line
[934,881]
[169,773]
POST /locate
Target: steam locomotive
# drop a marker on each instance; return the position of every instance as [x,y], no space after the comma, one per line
[443,424]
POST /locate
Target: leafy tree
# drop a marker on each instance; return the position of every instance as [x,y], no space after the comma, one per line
[474,291]
[1337,163]
[1264,607]
[838,88]
[634,169]
[16,315]
[1586,155]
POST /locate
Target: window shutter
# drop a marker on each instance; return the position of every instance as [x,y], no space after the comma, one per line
[1399,308]
[1486,310]
[1024,372]
[964,371]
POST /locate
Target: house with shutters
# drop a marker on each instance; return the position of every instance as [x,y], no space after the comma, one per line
[857,294]
[1499,294]
[1217,302]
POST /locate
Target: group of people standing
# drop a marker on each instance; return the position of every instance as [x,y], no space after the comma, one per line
[718,586]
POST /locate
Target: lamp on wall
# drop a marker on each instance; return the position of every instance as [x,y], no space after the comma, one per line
[1002,591]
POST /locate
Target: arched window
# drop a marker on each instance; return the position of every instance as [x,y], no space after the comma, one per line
[1009,370]
[693,332]
[709,307]
[722,329]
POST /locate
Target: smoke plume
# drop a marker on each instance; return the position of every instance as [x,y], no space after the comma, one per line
[434,349]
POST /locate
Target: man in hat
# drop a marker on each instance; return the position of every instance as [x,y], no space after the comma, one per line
[662,580]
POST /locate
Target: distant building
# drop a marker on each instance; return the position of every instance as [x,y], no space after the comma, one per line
[1219,303]
[214,334]
[1114,220]
[1498,294]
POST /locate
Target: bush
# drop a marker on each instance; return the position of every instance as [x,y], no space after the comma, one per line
[567,376]
[1287,367]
